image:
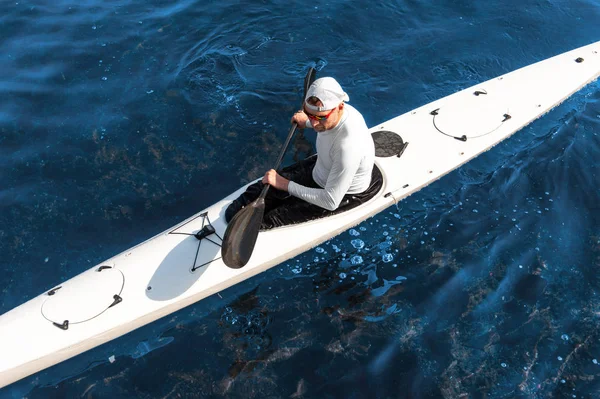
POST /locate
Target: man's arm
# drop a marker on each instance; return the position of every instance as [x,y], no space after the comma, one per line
[343,170]
[301,119]
[276,180]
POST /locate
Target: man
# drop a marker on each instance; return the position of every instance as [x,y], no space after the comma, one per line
[339,177]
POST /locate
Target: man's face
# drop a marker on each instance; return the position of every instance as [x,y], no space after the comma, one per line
[324,120]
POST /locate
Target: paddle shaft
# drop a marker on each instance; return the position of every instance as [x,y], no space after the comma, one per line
[242,231]
[310,77]
[283,150]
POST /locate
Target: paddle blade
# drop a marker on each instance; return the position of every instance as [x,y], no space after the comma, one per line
[241,234]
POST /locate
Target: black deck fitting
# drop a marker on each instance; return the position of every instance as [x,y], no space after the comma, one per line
[63,326]
[205,232]
[117,300]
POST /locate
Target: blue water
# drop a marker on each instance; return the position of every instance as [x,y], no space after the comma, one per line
[120,119]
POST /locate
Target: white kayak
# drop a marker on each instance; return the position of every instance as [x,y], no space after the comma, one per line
[183,264]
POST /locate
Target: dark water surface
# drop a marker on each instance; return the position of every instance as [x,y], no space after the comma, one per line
[119,119]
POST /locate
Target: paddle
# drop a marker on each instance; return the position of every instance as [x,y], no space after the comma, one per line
[242,231]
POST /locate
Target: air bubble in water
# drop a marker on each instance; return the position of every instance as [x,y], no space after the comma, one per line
[356,260]
[357,243]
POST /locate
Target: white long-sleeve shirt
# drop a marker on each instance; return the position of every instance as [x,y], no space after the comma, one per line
[345,158]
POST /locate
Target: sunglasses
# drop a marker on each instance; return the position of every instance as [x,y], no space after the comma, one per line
[319,118]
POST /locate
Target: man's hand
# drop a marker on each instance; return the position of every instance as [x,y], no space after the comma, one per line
[300,118]
[276,180]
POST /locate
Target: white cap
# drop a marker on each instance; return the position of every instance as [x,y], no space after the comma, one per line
[329,91]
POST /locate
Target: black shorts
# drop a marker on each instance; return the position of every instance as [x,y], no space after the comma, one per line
[283,209]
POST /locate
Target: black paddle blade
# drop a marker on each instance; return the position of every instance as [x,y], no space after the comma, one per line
[241,234]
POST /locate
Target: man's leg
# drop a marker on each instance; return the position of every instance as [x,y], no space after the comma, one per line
[295,210]
[298,172]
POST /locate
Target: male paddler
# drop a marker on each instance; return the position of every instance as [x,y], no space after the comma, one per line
[338,178]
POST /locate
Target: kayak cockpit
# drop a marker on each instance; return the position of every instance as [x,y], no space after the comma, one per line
[294,210]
